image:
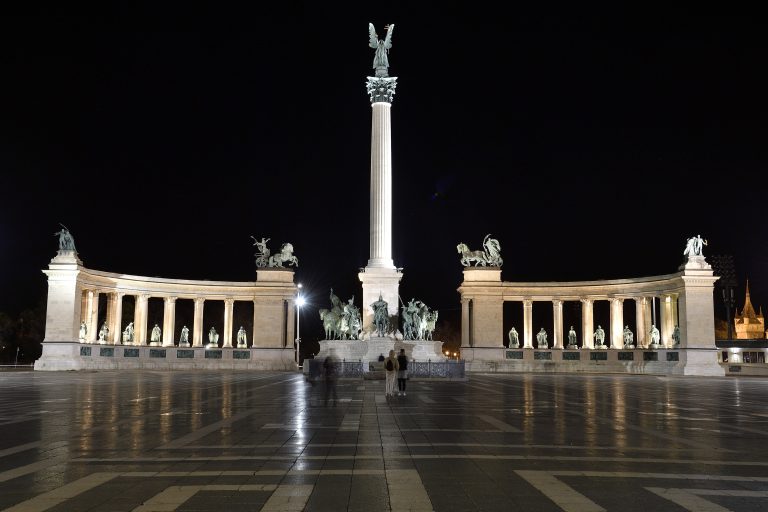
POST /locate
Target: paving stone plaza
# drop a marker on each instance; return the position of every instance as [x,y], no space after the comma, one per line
[237,441]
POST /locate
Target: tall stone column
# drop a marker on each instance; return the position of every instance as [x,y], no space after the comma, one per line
[617,323]
[169,320]
[116,327]
[557,315]
[648,319]
[228,308]
[92,316]
[85,308]
[588,323]
[666,319]
[140,320]
[641,336]
[380,277]
[110,320]
[527,323]
[197,325]
[465,305]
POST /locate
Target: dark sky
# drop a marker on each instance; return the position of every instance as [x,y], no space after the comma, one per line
[591,148]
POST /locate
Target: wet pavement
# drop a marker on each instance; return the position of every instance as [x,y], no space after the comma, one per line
[237,441]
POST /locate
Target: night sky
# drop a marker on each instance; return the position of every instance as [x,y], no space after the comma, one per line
[590,148]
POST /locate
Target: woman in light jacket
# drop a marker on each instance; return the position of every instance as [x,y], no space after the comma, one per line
[391,367]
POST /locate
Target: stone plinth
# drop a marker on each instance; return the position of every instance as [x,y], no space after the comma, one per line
[91,356]
[369,350]
[384,281]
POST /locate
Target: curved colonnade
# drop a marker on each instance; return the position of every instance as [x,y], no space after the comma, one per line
[685,299]
[73,298]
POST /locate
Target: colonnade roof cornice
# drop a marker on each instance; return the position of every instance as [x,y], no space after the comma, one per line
[652,286]
[108,282]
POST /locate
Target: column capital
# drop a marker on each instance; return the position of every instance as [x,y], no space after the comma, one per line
[381,89]
[229,301]
[527,303]
[170,300]
[587,300]
[119,294]
[142,297]
[557,302]
[199,300]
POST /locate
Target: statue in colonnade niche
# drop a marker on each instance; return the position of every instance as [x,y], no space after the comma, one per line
[629,338]
[184,339]
[676,336]
[242,339]
[655,337]
[83,331]
[103,332]
[128,333]
[599,337]
[156,333]
[572,338]
[213,337]
[489,256]
[514,338]
[541,339]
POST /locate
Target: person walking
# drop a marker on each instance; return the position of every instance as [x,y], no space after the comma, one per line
[391,366]
[402,372]
[329,369]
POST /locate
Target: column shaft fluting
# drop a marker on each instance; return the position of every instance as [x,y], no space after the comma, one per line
[557,315]
[116,327]
[381,187]
[587,323]
[169,320]
[642,332]
[617,323]
[527,324]
[197,326]
[140,320]
[228,309]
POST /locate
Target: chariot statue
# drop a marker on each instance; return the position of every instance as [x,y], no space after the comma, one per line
[489,256]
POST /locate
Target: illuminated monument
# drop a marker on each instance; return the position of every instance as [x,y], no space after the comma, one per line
[380,276]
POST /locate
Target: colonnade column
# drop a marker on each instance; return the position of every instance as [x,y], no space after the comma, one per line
[527,324]
[197,326]
[228,307]
[642,333]
[85,308]
[617,323]
[115,328]
[666,319]
[648,319]
[140,320]
[93,319]
[110,321]
[169,320]
[557,315]
[465,322]
[587,323]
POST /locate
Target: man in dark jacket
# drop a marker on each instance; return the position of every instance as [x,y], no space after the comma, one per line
[402,373]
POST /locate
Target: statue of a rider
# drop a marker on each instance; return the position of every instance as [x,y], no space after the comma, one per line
[380,317]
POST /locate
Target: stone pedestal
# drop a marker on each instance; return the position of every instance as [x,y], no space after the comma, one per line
[379,281]
[62,319]
[370,350]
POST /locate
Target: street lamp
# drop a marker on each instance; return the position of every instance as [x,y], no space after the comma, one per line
[299,302]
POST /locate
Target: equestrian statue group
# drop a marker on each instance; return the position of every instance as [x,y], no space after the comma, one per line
[343,321]
[490,256]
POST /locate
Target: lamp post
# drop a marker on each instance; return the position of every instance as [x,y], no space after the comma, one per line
[299,303]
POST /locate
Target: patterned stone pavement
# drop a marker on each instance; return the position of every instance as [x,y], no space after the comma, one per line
[197,441]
